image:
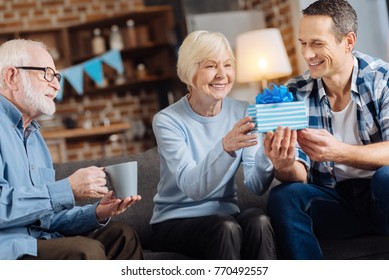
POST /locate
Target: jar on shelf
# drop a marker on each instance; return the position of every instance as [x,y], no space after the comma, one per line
[98,42]
[141,71]
[115,38]
[120,79]
[88,120]
[131,38]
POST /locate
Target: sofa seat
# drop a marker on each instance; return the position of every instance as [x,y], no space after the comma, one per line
[139,215]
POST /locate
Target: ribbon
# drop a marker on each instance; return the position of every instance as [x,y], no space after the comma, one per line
[274,95]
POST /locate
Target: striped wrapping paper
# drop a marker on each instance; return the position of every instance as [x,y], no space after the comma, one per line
[287,114]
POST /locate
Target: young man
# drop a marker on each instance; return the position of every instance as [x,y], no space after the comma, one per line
[336,186]
[36,212]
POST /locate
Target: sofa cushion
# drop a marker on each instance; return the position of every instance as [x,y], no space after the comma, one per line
[366,247]
[139,214]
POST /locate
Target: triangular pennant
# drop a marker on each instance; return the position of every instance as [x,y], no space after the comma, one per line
[75,77]
[113,59]
[94,69]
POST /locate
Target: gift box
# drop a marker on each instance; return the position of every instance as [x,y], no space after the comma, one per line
[275,107]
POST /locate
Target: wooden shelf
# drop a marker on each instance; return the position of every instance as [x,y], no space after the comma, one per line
[141,16]
[138,51]
[58,139]
[94,132]
[150,81]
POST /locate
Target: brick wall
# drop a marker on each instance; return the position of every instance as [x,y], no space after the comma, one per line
[42,13]
[277,14]
[136,108]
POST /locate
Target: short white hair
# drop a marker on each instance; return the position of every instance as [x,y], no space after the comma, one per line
[16,53]
[199,46]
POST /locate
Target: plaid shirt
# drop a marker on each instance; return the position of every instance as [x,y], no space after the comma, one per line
[370,92]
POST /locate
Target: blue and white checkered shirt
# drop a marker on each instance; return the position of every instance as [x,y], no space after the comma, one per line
[370,92]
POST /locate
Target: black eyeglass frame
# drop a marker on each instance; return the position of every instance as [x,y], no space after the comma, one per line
[44,69]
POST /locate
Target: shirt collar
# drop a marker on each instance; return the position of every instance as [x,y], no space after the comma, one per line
[354,86]
[13,113]
[320,87]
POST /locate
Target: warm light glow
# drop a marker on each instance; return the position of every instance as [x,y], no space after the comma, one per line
[262,63]
[261,55]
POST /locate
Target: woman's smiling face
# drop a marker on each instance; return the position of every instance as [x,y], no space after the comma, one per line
[215,77]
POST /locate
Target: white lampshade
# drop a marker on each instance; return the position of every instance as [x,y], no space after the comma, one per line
[261,55]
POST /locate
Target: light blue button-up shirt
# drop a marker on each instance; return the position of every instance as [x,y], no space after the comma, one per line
[32,205]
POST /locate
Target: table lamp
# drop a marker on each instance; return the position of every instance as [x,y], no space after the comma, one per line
[260,56]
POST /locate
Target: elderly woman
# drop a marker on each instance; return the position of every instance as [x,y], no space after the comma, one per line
[202,139]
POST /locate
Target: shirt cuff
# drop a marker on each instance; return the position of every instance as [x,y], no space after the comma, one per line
[61,195]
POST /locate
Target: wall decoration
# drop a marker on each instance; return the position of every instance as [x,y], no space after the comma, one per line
[93,68]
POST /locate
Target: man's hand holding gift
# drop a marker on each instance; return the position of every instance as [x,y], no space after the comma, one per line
[279,117]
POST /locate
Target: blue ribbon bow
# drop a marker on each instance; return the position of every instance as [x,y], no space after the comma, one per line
[274,95]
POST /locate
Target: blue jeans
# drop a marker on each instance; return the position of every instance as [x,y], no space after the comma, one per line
[302,213]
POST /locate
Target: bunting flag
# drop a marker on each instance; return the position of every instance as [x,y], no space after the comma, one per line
[74,75]
[93,68]
[113,59]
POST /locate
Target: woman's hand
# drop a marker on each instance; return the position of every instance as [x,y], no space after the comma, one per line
[239,136]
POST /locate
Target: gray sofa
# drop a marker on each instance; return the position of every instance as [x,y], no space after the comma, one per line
[138,216]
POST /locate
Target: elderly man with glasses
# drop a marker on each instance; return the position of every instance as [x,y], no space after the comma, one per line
[38,216]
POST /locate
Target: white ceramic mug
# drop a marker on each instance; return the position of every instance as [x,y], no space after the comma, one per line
[124,178]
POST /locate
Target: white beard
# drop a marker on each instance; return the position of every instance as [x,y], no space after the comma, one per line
[36,102]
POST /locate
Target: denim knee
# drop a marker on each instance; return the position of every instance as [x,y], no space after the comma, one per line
[379,183]
[283,194]
[381,173]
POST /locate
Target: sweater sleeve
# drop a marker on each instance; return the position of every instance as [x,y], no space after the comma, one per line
[257,168]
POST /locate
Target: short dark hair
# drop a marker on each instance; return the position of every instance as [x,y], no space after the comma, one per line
[342,13]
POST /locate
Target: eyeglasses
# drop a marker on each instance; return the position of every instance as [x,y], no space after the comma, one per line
[49,72]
